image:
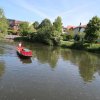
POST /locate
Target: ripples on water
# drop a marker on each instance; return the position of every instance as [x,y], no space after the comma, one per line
[51,74]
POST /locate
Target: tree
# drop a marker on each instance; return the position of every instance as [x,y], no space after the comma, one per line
[3,22]
[31,29]
[57,25]
[46,23]
[57,30]
[36,24]
[44,31]
[24,28]
[93,29]
[70,34]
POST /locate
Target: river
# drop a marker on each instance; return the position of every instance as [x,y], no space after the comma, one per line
[51,74]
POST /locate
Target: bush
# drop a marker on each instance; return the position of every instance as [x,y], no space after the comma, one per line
[77,37]
[13,32]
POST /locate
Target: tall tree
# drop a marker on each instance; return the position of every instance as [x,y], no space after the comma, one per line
[93,29]
[31,29]
[36,24]
[57,30]
[24,28]
[44,31]
[46,23]
[57,25]
[3,22]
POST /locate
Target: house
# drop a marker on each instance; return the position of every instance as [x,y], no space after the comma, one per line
[14,24]
[76,29]
[80,28]
[69,27]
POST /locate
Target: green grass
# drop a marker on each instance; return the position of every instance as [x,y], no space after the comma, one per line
[93,48]
[66,44]
[79,46]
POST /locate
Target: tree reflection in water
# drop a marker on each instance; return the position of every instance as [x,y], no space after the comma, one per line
[45,54]
[88,63]
[2,68]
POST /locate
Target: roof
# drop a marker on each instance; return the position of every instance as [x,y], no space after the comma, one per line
[74,27]
[80,26]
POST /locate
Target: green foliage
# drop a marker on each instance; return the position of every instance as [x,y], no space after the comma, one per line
[3,22]
[45,23]
[44,35]
[56,37]
[70,35]
[93,29]
[82,35]
[57,25]
[64,37]
[31,29]
[77,37]
[57,31]
[66,44]
[47,34]
[13,32]
[44,32]
[67,37]
[24,28]
[36,25]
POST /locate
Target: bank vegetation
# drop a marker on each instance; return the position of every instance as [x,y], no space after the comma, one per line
[51,33]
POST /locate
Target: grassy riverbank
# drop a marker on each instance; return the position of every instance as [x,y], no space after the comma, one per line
[94,47]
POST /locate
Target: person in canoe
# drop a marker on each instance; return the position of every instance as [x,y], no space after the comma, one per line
[20,44]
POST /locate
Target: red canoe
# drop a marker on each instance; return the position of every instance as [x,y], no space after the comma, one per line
[23,52]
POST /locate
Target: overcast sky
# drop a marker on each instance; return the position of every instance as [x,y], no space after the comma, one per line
[72,12]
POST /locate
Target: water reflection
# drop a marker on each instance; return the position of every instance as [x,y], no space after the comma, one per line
[88,63]
[45,54]
[2,64]
[25,61]
[34,79]
[2,68]
[50,56]
[1,50]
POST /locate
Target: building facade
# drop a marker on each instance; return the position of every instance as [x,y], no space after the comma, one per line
[14,24]
[75,29]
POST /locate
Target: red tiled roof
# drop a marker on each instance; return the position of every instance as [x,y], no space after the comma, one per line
[82,26]
[73,27]
[70,27]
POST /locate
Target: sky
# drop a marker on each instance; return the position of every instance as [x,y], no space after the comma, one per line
[72,12]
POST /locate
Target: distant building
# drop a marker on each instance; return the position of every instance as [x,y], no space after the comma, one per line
[69,27]
[76,29]
[80,28]
[14,24]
